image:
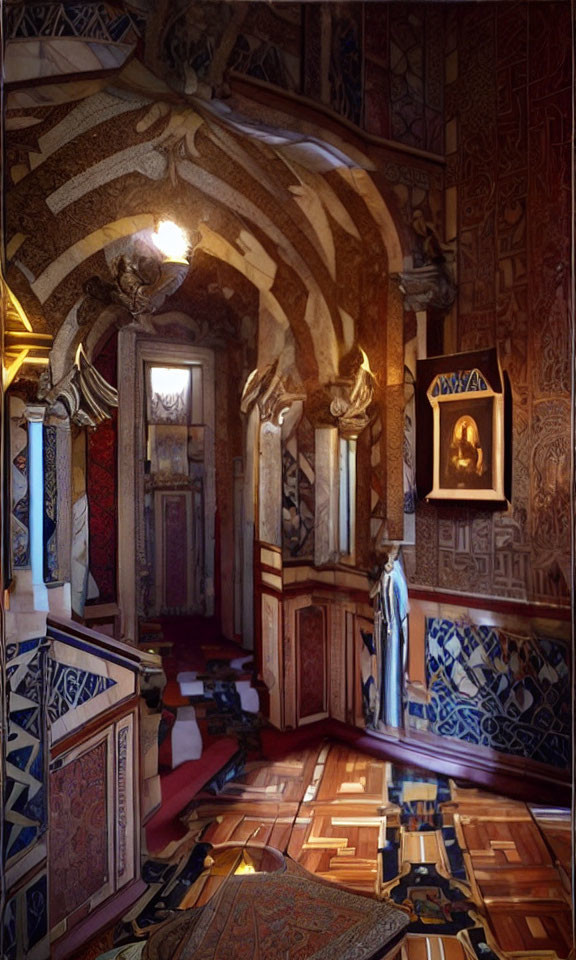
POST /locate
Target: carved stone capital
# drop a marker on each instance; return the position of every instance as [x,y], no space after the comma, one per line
[82,394]
[35,413]
[269,391]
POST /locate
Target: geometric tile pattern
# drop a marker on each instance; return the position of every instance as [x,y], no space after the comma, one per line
[20,497]
[26,919]
[50,505]
[459,381]
[298,492]
[97,22]
[25,793]
[69,687]
[507,692]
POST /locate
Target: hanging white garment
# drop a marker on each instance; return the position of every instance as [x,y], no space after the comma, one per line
[391,637]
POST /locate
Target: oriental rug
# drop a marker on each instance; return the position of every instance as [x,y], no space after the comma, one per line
[264,917]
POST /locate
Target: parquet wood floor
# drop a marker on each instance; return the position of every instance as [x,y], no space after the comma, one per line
[479,874]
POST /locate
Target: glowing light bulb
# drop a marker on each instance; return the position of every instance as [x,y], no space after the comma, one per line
[172,241]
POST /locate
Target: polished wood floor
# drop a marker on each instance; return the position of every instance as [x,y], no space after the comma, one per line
[480,875]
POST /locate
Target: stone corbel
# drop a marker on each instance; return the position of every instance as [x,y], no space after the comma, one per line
[351,401]
[82,394]
[429,286]
[432,283]
[141,284]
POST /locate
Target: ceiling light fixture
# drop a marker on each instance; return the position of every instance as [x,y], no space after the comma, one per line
[172,241]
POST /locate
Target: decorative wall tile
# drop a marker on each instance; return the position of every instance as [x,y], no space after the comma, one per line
[25,923]
[510,693]
[70,687]
[82,684]
[20,532]
[97,21]
[298,480]
[269,46]
[25,789]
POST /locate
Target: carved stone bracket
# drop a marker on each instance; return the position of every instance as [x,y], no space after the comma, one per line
[429,286]
[82,394]
[351,400]
[141,284]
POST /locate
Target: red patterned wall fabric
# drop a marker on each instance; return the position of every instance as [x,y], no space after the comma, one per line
[79,862]
[508,102]
[101,486]
[311,638]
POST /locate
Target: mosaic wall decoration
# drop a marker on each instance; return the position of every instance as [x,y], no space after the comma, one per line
[403,81]
[19,490]
[25,790]
[69,687]
[98,21]
[26,920]
[50,505]
[269,45]
[345,71]
[460,381]
[509,693]
[298,493]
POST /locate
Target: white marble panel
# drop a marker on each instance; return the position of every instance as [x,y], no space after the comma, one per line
[124,686]
[271,656]
[327,485]
[270,484]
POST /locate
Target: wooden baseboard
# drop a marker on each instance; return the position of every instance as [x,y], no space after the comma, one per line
[512,776]
[101,918]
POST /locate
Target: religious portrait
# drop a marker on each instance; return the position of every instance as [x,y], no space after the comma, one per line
[467,406]
[465,449]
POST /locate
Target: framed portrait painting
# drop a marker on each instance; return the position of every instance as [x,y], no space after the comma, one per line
[468,426]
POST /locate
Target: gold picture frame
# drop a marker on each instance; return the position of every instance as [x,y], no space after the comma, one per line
[468,435]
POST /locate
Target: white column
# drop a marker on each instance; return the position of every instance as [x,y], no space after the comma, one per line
[35,417]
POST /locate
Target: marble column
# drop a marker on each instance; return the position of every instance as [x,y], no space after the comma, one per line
[327,496]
